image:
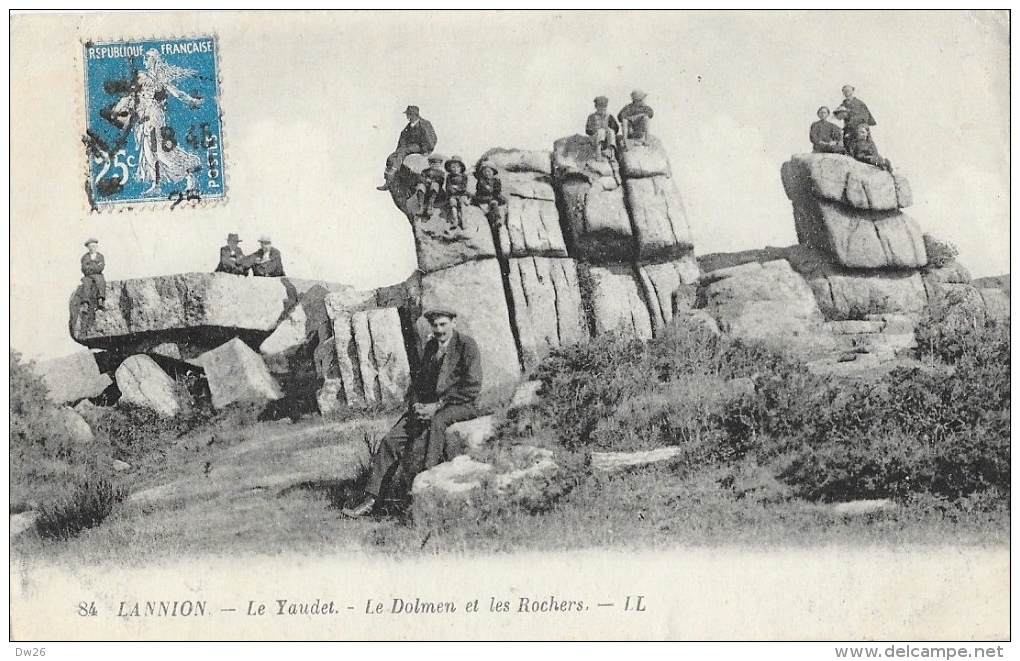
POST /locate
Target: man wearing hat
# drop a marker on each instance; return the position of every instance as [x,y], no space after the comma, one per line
[854,113]
[634,118]
[418,137]
[232,258]
[602,127]
[430,188]
[442,392]
[93,282]
[267,261]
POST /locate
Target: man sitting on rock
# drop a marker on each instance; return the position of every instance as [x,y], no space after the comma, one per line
[232,259]
[418,137]
[634,119]
[826,137]
[93,282]
[442,392]
[267,262]
[864,150]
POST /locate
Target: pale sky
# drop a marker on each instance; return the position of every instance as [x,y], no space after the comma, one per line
[312,104]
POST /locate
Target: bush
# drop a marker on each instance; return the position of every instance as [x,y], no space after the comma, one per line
[90,503]
[940,253]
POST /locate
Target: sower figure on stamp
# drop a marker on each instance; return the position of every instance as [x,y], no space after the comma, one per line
[93,282]
[418,137]
[267,262]
[456,190]
[489,194]
[232,259]
[442,392]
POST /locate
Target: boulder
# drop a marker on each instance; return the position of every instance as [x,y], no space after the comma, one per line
[22,522]
[842,179]
[578,157]
[697,319]
[659,219]
[644,160]
[368,364]
[120,466]
[188,302]
[74,424]
[345,303]
[476,290]
[142,383]
[663,282]
[863,507]
[72,377]
[525,476]
[596,222]
[469,435]
[518,160]
[763,302]
[236,373]
[613,297]
[440,245]
[953,272]
[308,322]
[872,237]
[167,350]
[546,308]
[844,293]
[532,226]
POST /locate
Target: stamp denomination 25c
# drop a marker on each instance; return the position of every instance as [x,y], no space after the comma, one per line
[153,130]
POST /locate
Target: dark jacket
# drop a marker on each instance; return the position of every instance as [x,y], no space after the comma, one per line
[823,132]
[487,190]
[231,261]
[90,267]
[460,373]
[598,121]
[270,268]
[456,184]
[422,136]
[865,151]
[638,125]
[857,114]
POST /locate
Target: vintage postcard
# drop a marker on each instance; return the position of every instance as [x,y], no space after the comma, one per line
[512,325]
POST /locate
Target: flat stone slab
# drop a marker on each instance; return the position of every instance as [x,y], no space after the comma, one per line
[440,245]
[840,178]
[862,507]
[143,383]
[659,218]
[615,462]
[644,160]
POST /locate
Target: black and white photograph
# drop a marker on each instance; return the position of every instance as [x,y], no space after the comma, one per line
[558,325]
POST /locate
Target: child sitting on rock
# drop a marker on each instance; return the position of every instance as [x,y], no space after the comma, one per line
[864,150]
[456,190]
[431,186]
[489,193]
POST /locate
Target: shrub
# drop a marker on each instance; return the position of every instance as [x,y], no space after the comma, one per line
[90,503]
[940,253]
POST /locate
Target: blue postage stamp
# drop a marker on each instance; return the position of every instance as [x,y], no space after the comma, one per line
[153,127]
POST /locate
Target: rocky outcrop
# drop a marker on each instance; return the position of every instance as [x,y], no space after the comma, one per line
[178,303]
[615,300]
[660,221]
[143,384]
[365,363]
[669,287]
[237,374]
[518,160]
[306,323]
[441,245]
[546,306]
[532,222]
[644,160]
[851,210]
[71,378]
[476,290]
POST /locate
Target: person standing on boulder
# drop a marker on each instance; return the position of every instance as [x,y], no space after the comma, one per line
[854,114]
[826,137]
[418,137]
[267,262]
[232,258]
[634,118]
[93,281]
[442,392]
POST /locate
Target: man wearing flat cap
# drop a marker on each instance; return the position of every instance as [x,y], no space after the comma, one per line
[634,118]
[854,114]
[232,258]
[442,392]
[418,137]
[93,282]
[602,127]
[267,262]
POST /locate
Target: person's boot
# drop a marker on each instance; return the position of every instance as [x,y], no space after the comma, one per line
[364,509]
[386,183]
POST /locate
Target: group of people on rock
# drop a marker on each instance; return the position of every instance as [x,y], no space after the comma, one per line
[854,139]
[266,262]
[445,183]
